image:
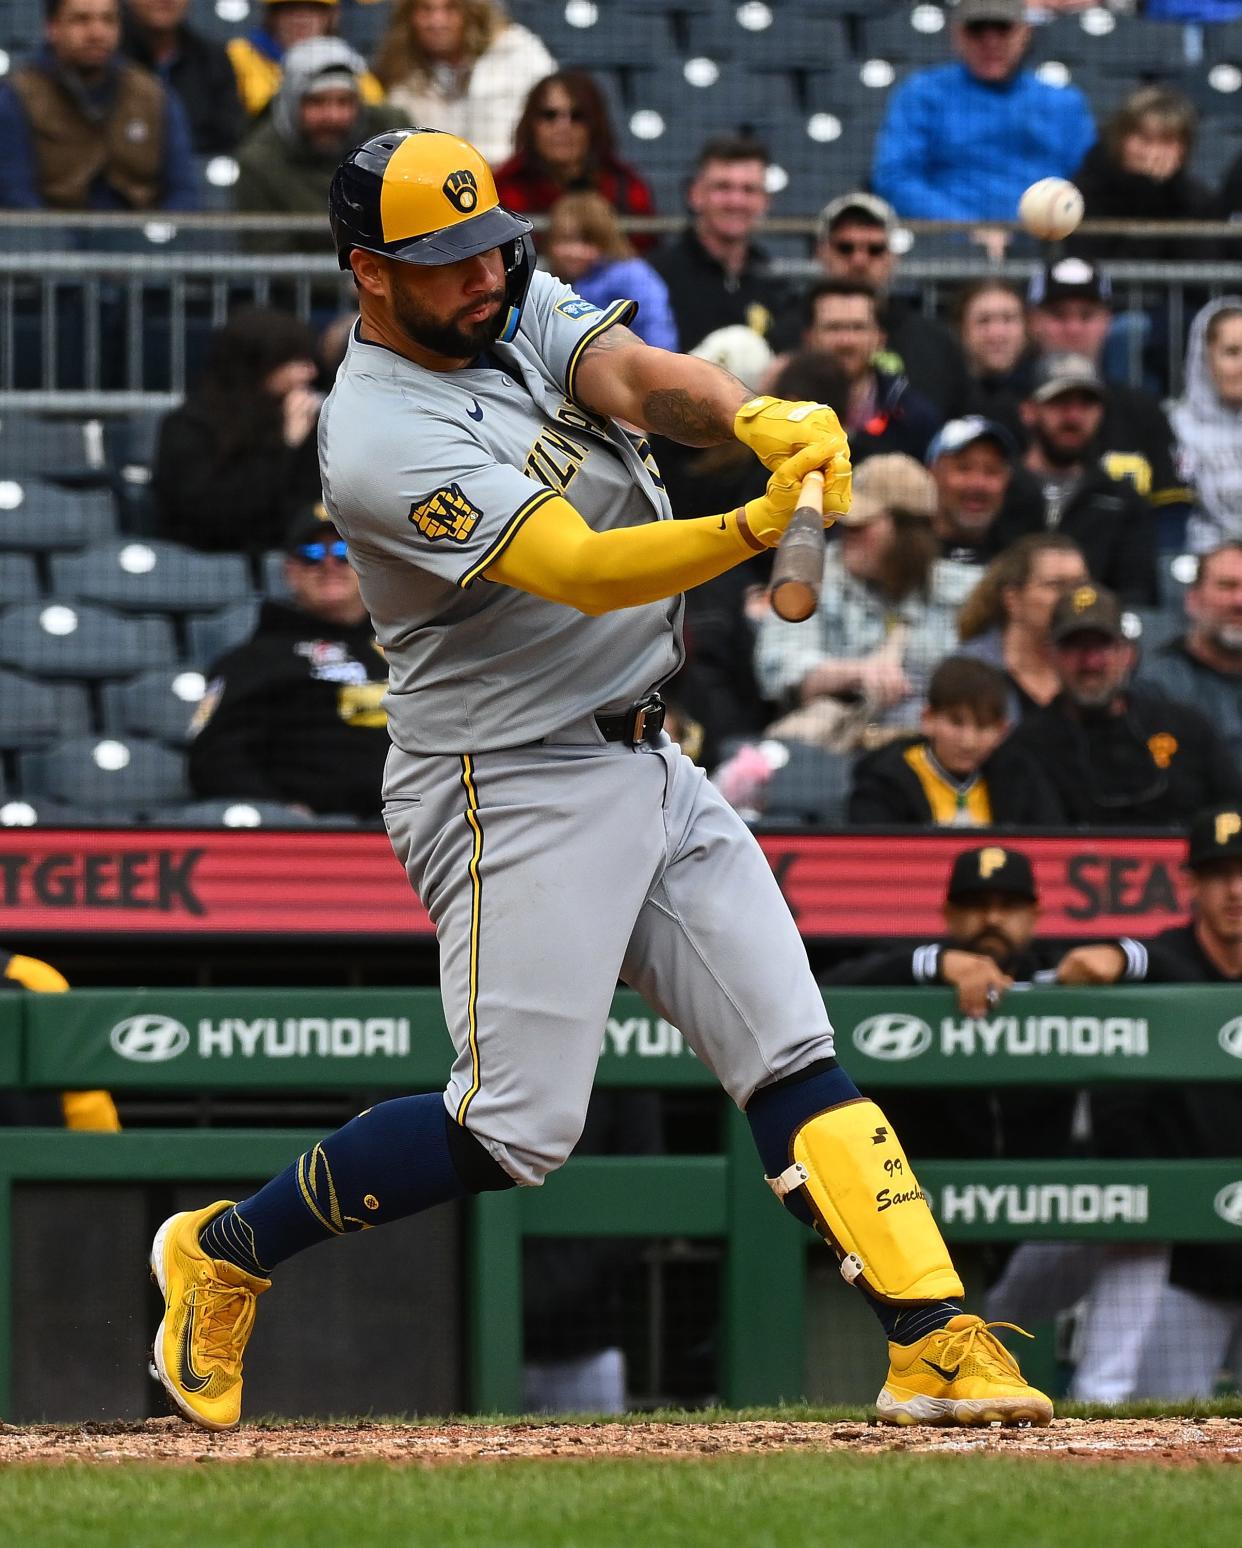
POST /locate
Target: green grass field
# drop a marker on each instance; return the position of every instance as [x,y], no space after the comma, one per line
[773,1501]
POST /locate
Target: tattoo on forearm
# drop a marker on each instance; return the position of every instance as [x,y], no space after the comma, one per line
[676,413]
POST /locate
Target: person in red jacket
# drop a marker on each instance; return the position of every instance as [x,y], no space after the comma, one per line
[563,144]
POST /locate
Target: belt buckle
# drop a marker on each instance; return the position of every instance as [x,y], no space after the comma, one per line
[649,710]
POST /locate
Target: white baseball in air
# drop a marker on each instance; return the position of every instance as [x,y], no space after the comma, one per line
[1050,209]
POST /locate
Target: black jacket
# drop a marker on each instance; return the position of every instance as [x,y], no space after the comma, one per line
[1112,524]
[918,347]
[294,716]
[239,503]
[1186,1122]
[203,77]
[1110,193]
[887,791]
[1154,765]
[705,298]
[967,1123]
[903,421]
[931,358]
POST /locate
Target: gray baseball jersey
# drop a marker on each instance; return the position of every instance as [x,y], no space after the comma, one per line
[551,860]
[429,474]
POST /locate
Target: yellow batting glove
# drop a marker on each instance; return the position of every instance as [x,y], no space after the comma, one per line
[775,429]
[768,516]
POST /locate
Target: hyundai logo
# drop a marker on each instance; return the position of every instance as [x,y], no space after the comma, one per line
[149,1039]
[893,1035]
[1230,1037]
[1228,1203]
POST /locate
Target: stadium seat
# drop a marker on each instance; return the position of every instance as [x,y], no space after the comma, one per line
[611,42]
[21,811]
[273,575]
[34,712]
[914,34]
[1222,43]
[211,634]
[813,787]
[234,812]
[762,36]
[39,517]
[158,704]
[53,639]
[151,575]
[106,773]
[1133,47]
[710,97]
[34,445]
[19,578]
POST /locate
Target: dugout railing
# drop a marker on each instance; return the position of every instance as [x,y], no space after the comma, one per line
[394,1040]
[100,311]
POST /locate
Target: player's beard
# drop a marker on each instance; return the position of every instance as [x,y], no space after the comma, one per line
[450,337]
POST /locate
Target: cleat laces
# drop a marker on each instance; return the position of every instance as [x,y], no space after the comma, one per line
[225,1317]
[979,1346]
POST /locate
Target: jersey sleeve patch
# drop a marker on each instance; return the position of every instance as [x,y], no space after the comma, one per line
[575,307]
[445,514]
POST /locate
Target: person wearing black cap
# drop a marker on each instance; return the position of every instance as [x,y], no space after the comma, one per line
[1120,755]
[295,715]
[1064,487]
[1196,1322]
[971,460]
[855,242]
[991,913]
[1070,311]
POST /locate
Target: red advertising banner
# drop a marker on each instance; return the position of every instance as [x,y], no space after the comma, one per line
[317,884]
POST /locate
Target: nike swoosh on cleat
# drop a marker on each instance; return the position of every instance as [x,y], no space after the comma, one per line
[187,1376]
[476,412]
[722,523]
[941,1371]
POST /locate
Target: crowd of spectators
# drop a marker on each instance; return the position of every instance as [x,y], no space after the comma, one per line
[1004,457]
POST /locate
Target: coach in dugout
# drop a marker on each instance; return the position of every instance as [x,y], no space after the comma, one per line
[991,914]
[294,715]
[1159,1322]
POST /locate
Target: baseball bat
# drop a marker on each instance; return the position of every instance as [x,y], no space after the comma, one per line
[798,569]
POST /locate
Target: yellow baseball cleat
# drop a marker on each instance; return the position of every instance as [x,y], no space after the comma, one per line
[209,1309]
[960,1374]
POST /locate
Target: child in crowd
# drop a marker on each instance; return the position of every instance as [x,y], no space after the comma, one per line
[959,772]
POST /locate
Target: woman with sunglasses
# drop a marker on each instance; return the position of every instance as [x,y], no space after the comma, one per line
[563,144]
[461,66]
[236,461]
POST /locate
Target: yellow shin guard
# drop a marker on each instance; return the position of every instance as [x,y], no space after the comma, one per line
[868,1204]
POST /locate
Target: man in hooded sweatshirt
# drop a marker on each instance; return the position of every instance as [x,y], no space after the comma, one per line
[286,163]
[1207,421]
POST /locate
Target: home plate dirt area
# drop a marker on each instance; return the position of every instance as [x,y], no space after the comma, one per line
[1164,1441]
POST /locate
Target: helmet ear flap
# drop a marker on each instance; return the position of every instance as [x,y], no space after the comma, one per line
[519,267]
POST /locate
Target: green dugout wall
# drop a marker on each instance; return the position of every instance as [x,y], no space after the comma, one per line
[274,1040]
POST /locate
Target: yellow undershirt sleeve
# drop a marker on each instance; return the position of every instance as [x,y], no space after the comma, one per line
[555,555]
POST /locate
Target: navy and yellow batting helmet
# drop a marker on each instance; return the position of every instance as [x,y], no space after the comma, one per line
[422,196]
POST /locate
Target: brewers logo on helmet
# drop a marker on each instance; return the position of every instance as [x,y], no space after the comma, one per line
[422,196]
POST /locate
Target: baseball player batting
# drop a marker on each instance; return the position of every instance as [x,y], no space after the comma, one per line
[517,553]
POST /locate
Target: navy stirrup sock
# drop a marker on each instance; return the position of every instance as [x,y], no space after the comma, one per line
[774,1112]
[391,1161]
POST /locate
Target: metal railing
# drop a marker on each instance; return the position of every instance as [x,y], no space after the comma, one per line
[91,308]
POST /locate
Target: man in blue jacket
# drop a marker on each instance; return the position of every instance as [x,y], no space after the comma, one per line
[963,141]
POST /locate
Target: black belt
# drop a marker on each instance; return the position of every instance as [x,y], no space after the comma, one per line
[642,722]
